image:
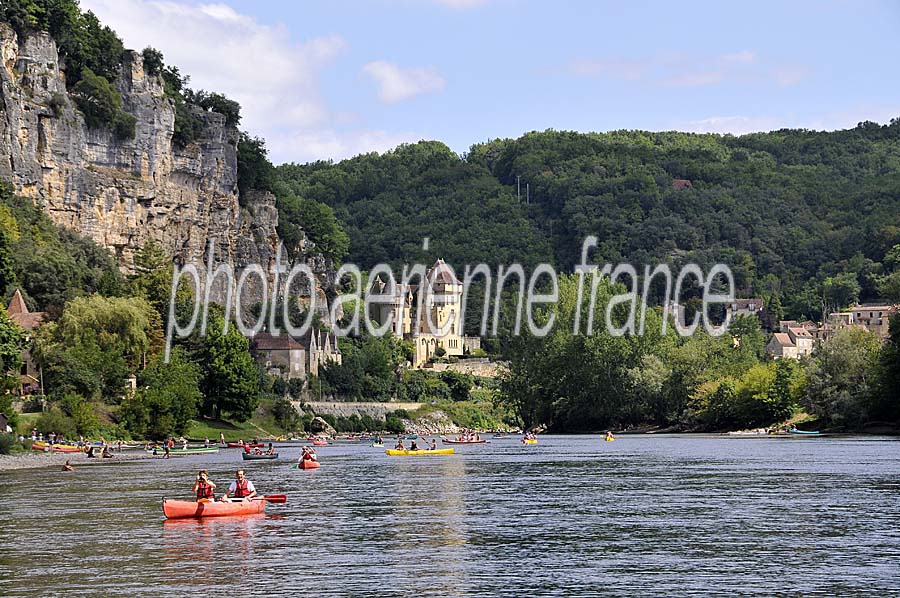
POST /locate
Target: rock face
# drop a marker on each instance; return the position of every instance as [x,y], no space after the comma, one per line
[123,192]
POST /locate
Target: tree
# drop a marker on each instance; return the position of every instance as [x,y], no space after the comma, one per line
[841,290]
[841,377]
[97,99]
[166,399]
[96,344]
[229,379]
[254,169]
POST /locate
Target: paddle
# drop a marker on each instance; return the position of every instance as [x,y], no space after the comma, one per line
[279,498]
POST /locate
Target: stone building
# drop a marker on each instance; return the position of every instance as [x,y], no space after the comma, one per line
[29,375]
[295,357]
[428,314]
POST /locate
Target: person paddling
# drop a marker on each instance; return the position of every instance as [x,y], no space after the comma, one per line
[68,466]
[399,446]
[204,488]
[609,436]
[241,488]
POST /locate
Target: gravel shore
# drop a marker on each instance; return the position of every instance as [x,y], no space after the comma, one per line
[37,460]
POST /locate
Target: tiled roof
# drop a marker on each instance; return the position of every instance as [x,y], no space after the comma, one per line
[783,339]
[18,313]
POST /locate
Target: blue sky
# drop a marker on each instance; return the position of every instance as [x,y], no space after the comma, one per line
[327,80]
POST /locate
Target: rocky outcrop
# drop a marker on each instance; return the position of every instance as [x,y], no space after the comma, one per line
[123,192]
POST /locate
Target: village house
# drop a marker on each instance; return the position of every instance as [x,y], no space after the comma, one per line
[291,357]
[874,317]
[29,375]
[430,314]
[793,342]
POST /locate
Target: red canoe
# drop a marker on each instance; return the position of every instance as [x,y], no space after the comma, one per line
[320,443]
[448,441]
[308,464]
[239,445]
[187,509]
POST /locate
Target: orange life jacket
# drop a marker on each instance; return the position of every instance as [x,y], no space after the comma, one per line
[240,489]
[204,490]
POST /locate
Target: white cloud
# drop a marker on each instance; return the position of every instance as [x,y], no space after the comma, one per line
[305,146]
[275,78]
[679,70]
[396,84]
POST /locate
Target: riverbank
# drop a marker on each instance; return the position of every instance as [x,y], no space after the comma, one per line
[38,460]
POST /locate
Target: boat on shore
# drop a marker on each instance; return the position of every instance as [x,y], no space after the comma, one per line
[46,447]
[258,456]
[417,452]
[186,509]
[804,432]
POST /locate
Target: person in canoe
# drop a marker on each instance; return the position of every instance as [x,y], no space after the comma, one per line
[308,454]
[204,487]
[609,436]
[413,446]
[433,444]
[68,466]
[399,446]
[271,450]
[240,489]
[105,453]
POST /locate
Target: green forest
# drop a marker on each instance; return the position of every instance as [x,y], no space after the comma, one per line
[808,221]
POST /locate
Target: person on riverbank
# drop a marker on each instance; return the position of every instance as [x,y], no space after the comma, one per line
[204,487]
[67,466]
[241,488]
[222,438]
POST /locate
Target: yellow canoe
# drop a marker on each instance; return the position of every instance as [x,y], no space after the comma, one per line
[529,441]
[409,453]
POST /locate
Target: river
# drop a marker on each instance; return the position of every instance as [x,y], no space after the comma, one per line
[571,516]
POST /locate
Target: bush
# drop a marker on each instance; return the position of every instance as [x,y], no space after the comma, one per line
[7,442]
[217,102]
[97,99]
[57,421]
[123,125]
[153,61]
[57,103]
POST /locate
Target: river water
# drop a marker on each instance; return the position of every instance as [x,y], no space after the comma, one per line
[571,516]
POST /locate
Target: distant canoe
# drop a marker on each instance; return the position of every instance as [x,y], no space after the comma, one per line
[529,441]
[242,445]
[257,457]
[417,453]
[804,432]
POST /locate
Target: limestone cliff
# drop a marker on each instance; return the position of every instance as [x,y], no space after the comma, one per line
[121,192]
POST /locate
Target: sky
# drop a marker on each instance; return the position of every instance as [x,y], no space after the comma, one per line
[330,79]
